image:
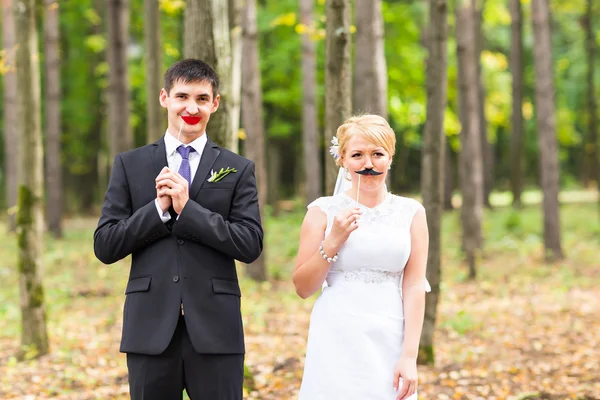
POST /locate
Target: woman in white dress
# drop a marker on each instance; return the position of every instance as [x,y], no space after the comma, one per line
[367,248]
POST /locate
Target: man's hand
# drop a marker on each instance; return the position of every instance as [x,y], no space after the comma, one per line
[164,201]
[172,184]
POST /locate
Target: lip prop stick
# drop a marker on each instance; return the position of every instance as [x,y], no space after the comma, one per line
[190,120]
[358,191]
[367,171]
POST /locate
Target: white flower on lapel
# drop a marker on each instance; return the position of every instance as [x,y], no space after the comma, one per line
[217,176]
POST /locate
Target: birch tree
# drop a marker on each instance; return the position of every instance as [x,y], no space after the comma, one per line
[433,165]
[546,126]
[30,216]
[253,121]
[337,77]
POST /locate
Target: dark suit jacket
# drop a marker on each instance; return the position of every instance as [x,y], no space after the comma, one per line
[189,260]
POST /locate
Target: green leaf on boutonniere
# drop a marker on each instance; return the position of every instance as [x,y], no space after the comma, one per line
[222,173]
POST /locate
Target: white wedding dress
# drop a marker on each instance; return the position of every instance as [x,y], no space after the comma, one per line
[357,323]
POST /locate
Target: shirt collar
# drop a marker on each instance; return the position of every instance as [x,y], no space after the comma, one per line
[171,144]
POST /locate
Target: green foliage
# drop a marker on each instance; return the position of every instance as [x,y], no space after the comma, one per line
[461,323]
[426,355]
[83,75]
[280,65]
[512,223]
[84,72]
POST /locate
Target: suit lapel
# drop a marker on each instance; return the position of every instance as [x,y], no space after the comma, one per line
[159,155]
[209,155]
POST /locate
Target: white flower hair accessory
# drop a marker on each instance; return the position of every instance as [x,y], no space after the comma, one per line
[335,149]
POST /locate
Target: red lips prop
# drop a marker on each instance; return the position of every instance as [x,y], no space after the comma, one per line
[191,120]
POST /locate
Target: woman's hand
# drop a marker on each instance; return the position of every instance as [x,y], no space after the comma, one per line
[405,377]
[344,223]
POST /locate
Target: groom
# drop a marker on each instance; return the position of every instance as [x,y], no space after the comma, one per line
[185,210]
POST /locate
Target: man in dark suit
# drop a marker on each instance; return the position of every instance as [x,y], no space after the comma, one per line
[182,327]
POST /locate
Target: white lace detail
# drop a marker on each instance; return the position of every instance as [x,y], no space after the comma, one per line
[384,230]
[393,211]
[368,275]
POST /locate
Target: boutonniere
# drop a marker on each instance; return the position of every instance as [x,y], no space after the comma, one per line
[217,176]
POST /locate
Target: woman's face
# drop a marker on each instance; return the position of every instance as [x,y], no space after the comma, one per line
[361,154]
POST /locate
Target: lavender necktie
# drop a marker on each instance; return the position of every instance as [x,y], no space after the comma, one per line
[184,168]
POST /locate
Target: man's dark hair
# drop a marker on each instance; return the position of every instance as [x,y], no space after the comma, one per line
[191,70]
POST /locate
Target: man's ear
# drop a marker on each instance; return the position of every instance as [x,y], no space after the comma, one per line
[216,103]
[162,97]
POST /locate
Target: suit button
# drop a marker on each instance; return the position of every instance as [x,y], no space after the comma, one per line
[175,279]
[180,241]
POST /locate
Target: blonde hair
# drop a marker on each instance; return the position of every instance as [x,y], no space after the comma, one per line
[374,128]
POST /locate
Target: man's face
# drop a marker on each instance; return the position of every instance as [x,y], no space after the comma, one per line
[185,100]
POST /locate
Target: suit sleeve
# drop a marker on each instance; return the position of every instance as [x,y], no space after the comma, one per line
[121,231]
[241,236]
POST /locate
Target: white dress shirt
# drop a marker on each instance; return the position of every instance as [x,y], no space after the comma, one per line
[174,161]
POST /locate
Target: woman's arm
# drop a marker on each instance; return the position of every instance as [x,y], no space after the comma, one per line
[413,285]
[311,268]
[413,299]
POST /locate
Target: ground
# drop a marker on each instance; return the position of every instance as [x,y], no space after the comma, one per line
[524,329]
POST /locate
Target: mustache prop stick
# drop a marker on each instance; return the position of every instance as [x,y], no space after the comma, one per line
[190,120]
[366,171]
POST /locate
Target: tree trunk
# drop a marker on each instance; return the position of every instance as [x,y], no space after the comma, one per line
[54,184]
[207,37]
[432,165]
[121,136]
[11,117]
[235,36]
[471,167]
[516,67]
[592,169]
[337,78]
[448,177]
[30,218]
[546,125]
[370,69]
[310,129]
[399,174]
[99,163]
[487,151]
[253,121]
[153,54]
[89,182]
[274,176]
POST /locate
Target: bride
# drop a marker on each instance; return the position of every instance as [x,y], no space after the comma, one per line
[367,248]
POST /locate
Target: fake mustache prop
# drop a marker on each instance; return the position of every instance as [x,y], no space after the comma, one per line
[368,171]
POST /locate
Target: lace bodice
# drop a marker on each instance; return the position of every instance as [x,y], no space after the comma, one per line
[378,250]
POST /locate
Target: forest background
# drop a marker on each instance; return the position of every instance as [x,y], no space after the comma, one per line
[494,105]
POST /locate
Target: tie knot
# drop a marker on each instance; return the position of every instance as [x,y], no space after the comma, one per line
[185,151]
